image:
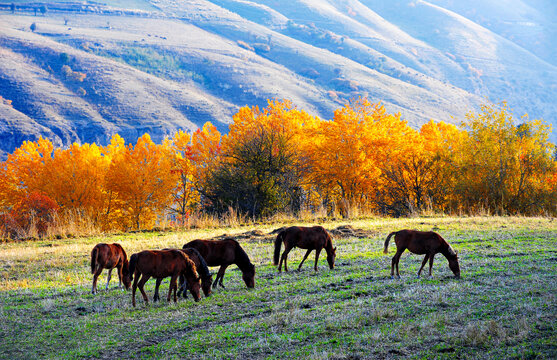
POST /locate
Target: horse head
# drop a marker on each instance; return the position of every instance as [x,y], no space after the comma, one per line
[453,262]
[331,256]
[248,275]
[126,276]
[206,283]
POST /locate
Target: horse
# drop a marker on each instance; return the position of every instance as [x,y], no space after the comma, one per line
[223,253]
[422,242]
[202,269]
[160,264]
[109,256]
[310,238]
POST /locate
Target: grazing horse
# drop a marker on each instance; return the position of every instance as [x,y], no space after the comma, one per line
[422,242]
[202,270]
[160,264]
[310,238]
[109,256]
[223,253]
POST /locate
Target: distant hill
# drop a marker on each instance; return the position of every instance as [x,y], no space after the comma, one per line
[91,69]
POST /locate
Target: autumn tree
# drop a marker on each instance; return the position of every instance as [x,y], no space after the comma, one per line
[347,153]
[141,178]
[185,194]
[261,168]
[502,166]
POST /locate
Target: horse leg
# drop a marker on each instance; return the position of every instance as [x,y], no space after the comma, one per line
[431,263]
[173,286]
[217,278]
[142,282]
[394,263]
[317,252]
[304,259]
[182,287]
[423,264]
[220,276]
[156,297]
[284,257]
[136,279]
[98,271]
[108,279]
[120,275]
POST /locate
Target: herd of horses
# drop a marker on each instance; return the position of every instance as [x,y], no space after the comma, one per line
[188,268]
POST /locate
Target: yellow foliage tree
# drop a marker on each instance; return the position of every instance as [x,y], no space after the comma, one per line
[503,166]
[347,153]
[141,178]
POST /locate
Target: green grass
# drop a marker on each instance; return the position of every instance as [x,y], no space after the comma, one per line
[503,307]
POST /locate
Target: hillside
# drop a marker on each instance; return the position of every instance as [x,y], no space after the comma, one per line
[90,70]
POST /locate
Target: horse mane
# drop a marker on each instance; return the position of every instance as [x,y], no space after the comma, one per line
[329,243]
[190,266]
[121,248]
[204,271]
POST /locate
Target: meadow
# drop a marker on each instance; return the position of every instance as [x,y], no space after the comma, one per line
[504,305]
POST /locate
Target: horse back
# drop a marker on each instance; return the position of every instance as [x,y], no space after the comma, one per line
[314,237]
[215,252]
[161,263]
[109,255]
[420,242]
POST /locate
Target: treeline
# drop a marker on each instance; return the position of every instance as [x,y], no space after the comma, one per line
[281,159]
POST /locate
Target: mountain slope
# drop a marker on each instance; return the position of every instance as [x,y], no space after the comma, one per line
[83,76]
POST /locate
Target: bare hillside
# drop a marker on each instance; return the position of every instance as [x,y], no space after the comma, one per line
[90,70]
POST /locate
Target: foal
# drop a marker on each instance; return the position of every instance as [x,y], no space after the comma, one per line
[422,242]
[109,256]
[202,270]
[160,264]
[310,238]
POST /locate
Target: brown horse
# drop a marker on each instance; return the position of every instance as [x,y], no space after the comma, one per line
[160,264]
[310,238]
[422,242]
[224,253]
[109,256]
[202,270]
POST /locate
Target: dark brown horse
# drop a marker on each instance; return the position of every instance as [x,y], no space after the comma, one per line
[310,238]
[422,242]
[224,253]
[202,270]
[160,264]
[109,256]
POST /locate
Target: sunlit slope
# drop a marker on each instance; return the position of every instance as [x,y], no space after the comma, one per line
[177,64]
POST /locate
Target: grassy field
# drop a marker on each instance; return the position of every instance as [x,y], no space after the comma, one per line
[504,305]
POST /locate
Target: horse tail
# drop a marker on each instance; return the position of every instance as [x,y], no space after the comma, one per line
[278,244]
[132,264]
[385,250]
[94,254]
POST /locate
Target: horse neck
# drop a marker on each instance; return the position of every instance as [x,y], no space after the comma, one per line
[242,259]
[204,271]
[329,245]
[445,248]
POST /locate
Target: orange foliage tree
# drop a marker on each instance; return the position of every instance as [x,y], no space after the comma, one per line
[280,158]
[141,178]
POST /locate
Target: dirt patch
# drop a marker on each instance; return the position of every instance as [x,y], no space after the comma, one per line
[346,231]
[343,231]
